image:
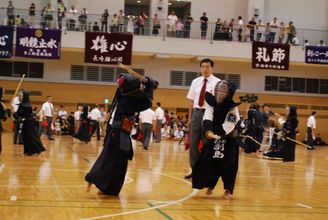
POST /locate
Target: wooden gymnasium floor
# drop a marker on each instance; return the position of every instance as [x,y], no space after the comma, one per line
[54,188]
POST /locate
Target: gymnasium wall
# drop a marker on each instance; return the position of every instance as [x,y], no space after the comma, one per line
[57,84]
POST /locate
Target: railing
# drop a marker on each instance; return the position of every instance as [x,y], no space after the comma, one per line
[73,22]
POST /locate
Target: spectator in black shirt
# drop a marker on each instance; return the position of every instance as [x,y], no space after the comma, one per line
[203,25]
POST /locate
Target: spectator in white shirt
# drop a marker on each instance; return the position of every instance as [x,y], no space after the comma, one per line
[311,126]
[48,111]
[274,29]
[240,28]
[321,44]
[95,116]
[159,113]
[72,17]
[178,134]
[147,120]
[173,19]
[77,118]
[62,114]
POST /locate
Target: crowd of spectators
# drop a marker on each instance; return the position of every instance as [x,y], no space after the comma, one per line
[71,19]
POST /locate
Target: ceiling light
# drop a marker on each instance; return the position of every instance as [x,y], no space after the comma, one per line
[138,2]
[170,3]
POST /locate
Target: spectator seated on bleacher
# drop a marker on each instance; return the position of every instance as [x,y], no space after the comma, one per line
[318,141]
[178,134]
[165,132]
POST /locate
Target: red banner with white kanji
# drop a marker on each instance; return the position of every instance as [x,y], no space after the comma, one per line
[108,48]
[270,56]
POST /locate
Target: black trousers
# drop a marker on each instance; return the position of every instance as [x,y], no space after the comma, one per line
[309,137]
[95,126]
[49,131]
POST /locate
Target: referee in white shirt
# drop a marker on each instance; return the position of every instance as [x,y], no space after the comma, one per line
[95,116]
[48,112]
[147,119]
[196,95]
[311,126]
[159,113]
[77,118]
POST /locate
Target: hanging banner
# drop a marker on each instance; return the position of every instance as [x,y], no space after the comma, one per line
[38,43]
[316,54]
[270,56]
[6,41]
[108,48]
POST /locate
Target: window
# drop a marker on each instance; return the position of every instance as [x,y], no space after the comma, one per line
[298,85]
[221,76]
[108,74]
[96,73]
[77,72]
[182,78]
[176,78]
[189,77]
[235,79]
[18,68]
[271,83]
[323,86]
[6,68]
[92,73]
[312,85]
[285,84]
[35,70]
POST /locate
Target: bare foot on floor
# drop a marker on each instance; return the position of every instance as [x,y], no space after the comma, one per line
[89,187]
[209,191]
[100,193]
[227,195]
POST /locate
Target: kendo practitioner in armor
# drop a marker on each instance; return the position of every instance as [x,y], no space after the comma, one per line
[132,96]
[4,114]
[83,133]
[289,131]
[219,158]
[254,128]
[24,114]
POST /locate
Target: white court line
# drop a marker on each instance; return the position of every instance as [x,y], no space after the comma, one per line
[2,166]
[304,206]
[13,198]
[56,187]
[194,192]
[167,203]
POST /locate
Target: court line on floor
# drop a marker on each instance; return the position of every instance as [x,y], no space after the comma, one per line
[304,206]
[60,196]
[193,193]
[161,212]
[166,203]
[2,166]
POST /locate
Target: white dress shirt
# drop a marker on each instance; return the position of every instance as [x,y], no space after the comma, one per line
[159,113]
[77,115]
[62,114]
[47,108]
[147,116]
[311,123]
[95,114]
[196,87]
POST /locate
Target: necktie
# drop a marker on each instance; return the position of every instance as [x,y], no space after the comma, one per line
[202,94]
